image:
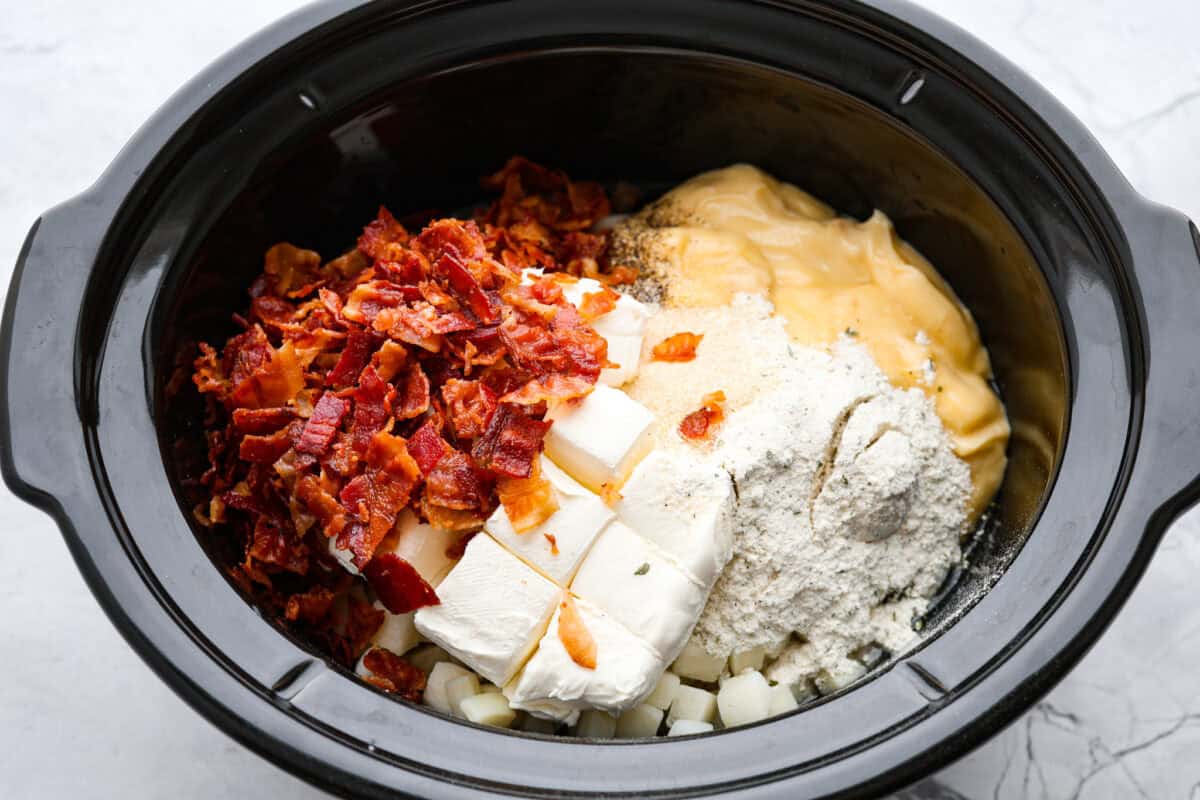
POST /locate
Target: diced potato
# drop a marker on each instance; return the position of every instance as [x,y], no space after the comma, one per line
[747,659]
[744,698]
[488,709]
[435,685]
[691,703]
[595,724]
[664,691]
[782,700]
[696,664]
[459,689]
[845,673]
[532,724]
[639,722]
[397,633]
[685,727]
[423,658]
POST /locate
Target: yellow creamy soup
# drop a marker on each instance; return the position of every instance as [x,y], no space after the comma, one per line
[739,230]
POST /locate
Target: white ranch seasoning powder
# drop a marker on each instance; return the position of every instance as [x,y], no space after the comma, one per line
[851,503]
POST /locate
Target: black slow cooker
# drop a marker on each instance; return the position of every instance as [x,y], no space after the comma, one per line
[1085,294]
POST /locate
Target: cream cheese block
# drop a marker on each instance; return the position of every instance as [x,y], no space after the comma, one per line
[599,439]
[684,505]
[553,686]
[580,517]
[493,610]
[640,587]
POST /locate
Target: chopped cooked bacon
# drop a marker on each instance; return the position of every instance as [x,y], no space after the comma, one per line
[576,639]
[703,422]
[398,585]
[372,408]
[528,502]
[291,268]
[322,426]
[597,304]
[469,406]
[677,347]
[261,420]
[393,674]
[554,387]
[355,355]
[427,446]
[511,442]
[431,335]
[412,400]
[453,483]
[384,238]
[552,540]
[309,607]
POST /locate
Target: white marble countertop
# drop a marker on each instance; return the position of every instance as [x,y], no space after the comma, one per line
[81,716]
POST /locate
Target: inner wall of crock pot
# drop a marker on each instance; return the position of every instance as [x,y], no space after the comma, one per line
[652,118]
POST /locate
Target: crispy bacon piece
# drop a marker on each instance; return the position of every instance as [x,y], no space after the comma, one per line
[427,446]
[277,546]
[261,420]
[309,607]
[378,495]
[469,407]
[511,442]
[597,304]
[452,519]
[576,639]
[702,423]
[554,387]
[355,355]
[322,426]
[677,347]
[412,400]
[528,502]
[273,383]
[553,542]
[323,505]
[370,299]
[372,408]
[264,449]
[398,585]
[465,286]
[393,674]
[389,359]
[384,238]
[453,483]
[290,268]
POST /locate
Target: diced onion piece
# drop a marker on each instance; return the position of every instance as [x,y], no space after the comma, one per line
[747,659]
[782,700]
[744,698]
[488,709]
[435,686]
[697,664]
[459,689]
[639,722]
[664,691]
[595,724]
[691,703]
[686,727]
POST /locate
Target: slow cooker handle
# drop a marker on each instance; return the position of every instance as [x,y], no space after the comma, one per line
[40,412]
[1168,461]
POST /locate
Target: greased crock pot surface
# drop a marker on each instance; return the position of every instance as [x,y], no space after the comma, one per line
[97,300]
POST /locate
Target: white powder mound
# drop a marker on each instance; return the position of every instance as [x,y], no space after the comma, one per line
[850,500]
[672,390]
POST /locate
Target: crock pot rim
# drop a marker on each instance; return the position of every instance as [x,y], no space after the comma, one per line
[95,206]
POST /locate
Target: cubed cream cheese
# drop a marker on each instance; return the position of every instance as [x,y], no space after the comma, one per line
[600,439]
[684,505]
[553,685]
[580,517]
[493,610]
[637,585]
